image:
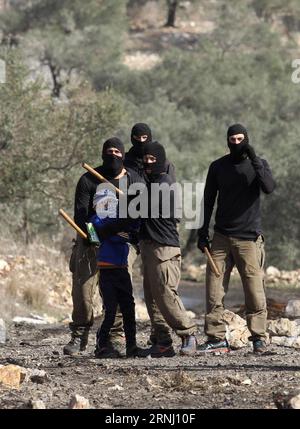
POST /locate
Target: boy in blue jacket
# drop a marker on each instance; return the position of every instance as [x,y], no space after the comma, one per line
[112,256]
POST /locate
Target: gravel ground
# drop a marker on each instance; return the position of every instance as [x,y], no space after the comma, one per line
[238,379]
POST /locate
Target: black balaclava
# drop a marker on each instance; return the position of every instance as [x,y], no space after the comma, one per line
[158,167]
[139,130]
[112,164]
[237,151]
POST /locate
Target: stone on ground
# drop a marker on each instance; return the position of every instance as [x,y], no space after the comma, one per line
[78,402]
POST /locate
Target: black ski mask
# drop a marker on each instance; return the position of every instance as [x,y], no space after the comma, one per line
[112,164]
[158,167]
[237,151]
[139,130]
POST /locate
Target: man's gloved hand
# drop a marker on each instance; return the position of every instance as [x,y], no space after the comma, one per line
[250,152]
[203,242]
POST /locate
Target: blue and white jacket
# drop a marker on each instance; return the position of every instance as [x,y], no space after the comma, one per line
[114,250]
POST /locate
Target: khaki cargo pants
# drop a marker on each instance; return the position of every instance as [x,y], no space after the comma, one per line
[248,256]
[161,269]
[85,282]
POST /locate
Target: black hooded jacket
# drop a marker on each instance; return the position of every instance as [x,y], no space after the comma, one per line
[162,229]
[238,187]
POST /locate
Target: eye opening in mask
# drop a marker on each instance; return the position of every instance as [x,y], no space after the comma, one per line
[236,138]
[114,151]
[141,139]
[149,159]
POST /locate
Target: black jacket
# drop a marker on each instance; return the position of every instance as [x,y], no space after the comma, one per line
[238,187]
[161,226]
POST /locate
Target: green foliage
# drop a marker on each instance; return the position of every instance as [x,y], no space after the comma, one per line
[269,8]
[240,72]
[192,97]
[68,34]
[42,146]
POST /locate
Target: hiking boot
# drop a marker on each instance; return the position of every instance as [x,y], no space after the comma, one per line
[159,350]
[189,345]
[152,340]
[78,343]
[259,346]
[215,346]
[135,351]
[107,352]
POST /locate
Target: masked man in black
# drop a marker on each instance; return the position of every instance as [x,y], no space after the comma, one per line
[161,256]
[140,135]
[236,180]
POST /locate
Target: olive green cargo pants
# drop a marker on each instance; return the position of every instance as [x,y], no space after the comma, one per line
[161,270]
[248,256]
[85,278]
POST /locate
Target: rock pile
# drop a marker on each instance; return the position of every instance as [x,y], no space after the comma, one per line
[282,332]
[273,275]
[285,332]
[237,331]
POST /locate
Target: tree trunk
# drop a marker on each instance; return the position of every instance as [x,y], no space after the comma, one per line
[25,226]
[172,7]
[57,86]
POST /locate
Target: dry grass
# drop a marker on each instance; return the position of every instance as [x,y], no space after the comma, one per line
[12,287]
[36,251]
[15,301]
[34,297]
[7,306]
[38,280]
[181,381]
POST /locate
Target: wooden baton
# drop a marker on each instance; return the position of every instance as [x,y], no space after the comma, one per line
[211,262]
[101,178]
[72,223]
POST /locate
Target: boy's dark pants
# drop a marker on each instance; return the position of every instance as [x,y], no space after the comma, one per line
[116,289]
[83,265]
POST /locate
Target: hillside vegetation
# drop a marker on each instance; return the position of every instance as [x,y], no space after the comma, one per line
[78,72]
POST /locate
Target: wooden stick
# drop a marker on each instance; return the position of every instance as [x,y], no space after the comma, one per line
[72,223]
[211,262]
[100,177]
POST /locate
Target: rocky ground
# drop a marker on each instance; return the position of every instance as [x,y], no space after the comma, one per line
[239,379]
[33,367]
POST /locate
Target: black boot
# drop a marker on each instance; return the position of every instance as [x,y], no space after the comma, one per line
[78,343]
[107,351]
[134,351]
